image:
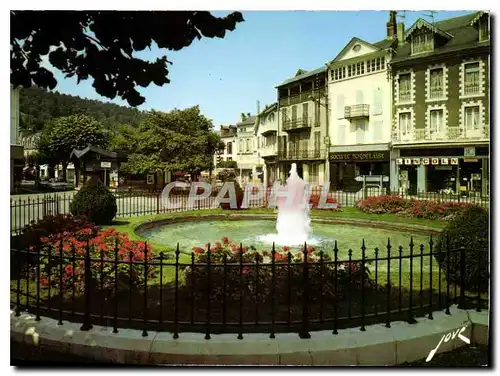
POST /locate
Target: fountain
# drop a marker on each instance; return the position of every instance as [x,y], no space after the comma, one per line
[293,224]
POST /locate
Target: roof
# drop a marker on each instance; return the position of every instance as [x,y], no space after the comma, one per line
[423,23]
[80,153]
[463,35]
[248,121]
[351,42]
[302,76]
[269,108]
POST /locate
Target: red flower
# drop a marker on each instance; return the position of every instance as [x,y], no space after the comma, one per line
[225,240]
[69,269]
[245,270]
[286,248]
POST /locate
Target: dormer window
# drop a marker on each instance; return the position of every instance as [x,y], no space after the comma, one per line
[484,29]
[423,42]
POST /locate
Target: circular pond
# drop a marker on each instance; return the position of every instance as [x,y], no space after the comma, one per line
[259,233]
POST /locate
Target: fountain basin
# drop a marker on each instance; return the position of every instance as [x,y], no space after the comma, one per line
[259,230]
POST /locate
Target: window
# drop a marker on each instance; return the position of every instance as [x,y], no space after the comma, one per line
[294,114]
[405,87]
[229,158]
[404,123]
[229,148]
[360,132]
[422,43]
[358,69]
[283,116]
[472,118]
[377,64]
[436,121]
[348,71]
[471,83]
[247,149]
[362,67]
[317,141]
[484,29]
[436,83]
[305,111]
[316,114]
[382,63]
[373,65]
[368,66]
[241,146]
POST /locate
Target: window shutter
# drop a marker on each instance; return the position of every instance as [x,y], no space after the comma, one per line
[340,106]
[377,101]
[341,135]
[359,97]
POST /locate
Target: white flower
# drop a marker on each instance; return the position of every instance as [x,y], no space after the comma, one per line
[341,267]
[266,260]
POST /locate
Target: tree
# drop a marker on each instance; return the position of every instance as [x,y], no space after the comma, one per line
[38,107]
[64,134]
[101,45]
[180,140]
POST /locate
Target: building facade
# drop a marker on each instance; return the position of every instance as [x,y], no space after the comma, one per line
[441,115]
[360,117]
[228,135]
[266,133]
[247,159]
[16,149]
[303,126]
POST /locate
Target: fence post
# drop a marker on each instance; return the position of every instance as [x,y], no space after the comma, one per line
[158,203]
[88,280]
[461,304]
[304,330]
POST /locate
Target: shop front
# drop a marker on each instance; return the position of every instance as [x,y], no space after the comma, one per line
[346,166]
[453,170]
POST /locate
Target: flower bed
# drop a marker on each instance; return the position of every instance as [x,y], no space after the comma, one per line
[251,274]
[410,207]
[104,246]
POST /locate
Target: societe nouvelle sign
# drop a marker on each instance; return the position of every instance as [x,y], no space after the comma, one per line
[360,156]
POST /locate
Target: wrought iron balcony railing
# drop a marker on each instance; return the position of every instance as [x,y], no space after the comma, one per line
[357,111]
[302,97]
[302,122]
[302,154]
[471,88]
[446,134]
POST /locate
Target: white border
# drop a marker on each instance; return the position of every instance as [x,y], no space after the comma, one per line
[444,126]
[395,128]
[412,89]
[428,83]
[461,78]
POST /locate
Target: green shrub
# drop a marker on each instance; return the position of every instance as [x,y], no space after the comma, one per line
[95,202]
[470,230]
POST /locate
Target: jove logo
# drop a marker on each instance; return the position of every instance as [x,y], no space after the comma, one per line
[446,338]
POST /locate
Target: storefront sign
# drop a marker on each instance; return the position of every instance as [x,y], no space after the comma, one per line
[407,161]
[444,161]
[454,161]
[399,161]
[425,161]
[416,161]
[470,160]
[360,156]
[444,168]
[435,161]
[470,152]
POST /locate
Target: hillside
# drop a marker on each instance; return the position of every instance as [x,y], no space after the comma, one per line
[38,106]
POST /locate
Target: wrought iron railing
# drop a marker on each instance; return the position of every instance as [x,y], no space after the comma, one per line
[356,111]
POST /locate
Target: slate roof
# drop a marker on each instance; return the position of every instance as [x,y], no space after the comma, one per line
[79,153]
[248,121]
[304,75]
[464,35]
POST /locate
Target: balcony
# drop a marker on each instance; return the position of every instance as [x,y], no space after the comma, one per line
[447,134]
[302,155]
[302,97]
[298,124]
[268,151]
[405,96]
[436,93]
[472,88]
[357,111]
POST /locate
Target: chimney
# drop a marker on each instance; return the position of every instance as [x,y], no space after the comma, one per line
[391,25]
[401,32]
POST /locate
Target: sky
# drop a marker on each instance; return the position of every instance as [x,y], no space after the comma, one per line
[226,77]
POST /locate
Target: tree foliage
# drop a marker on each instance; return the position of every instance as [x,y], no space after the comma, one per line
[101,45]
[38,107]
[180,140]
[64,134]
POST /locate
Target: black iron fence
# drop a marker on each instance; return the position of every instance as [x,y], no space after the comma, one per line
[227,288]
[137,203]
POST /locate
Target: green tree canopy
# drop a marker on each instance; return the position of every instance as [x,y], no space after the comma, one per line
[182,140]
[64,134]
[101,45]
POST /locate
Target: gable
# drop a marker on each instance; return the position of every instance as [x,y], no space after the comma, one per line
[422,25]
[355,48]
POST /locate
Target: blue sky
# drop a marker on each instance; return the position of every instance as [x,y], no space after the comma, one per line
[227,76]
